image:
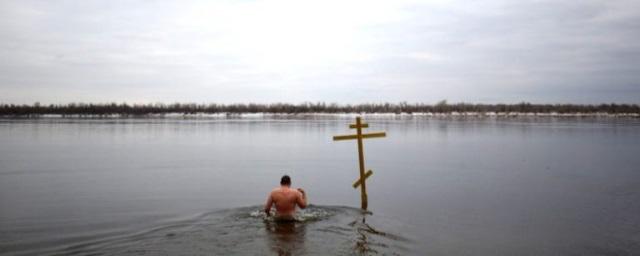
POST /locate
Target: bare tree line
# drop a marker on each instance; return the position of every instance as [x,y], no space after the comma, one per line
[307,107]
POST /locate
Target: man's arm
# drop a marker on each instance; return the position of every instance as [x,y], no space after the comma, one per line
[267,206]
[302,199]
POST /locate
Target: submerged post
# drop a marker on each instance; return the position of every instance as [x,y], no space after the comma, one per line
[363,176]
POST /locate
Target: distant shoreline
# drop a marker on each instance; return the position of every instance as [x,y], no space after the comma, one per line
[370,115]
[113,110]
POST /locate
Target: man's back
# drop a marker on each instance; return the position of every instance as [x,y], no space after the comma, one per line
[285,199]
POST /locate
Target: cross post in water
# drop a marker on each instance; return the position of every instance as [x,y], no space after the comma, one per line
[359,136]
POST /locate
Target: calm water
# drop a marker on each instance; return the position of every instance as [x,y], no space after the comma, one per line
[441,186]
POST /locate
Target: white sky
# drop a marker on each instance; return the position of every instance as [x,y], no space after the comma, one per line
[332,51]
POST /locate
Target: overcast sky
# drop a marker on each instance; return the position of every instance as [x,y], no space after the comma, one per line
[332,51]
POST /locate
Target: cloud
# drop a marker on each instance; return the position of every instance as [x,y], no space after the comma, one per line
[355,51]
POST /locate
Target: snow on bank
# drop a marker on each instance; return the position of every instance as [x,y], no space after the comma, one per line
[338,115]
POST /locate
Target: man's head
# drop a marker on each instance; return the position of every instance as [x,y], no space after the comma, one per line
[285,180]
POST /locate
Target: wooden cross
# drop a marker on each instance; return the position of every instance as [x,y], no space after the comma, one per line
[359,136]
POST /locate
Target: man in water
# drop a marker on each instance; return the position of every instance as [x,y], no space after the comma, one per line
[285,198]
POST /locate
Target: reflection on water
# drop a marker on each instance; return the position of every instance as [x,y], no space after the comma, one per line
[319,230]
[330,223]
[285,237]
[363,229]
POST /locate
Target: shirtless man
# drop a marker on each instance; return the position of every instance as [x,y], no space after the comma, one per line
[285,198]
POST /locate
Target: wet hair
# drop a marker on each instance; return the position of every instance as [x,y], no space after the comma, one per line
[286,180]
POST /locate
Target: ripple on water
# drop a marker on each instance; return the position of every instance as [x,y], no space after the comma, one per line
[318,230]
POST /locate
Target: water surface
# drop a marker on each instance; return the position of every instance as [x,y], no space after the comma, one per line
[441,186]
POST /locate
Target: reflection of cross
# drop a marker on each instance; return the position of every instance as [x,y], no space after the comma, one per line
[359,136]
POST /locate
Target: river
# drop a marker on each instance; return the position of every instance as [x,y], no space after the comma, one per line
[440,186]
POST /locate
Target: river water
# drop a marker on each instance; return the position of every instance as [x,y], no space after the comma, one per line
[441,186]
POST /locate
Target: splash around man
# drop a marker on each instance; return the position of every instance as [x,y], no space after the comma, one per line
[285,199]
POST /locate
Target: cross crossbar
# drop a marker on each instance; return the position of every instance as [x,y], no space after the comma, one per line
[354,126]
[364,136]
[359,181]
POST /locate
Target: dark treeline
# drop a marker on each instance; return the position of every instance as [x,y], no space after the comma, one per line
[320,107]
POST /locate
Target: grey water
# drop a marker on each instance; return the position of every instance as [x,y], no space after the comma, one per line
[440,186]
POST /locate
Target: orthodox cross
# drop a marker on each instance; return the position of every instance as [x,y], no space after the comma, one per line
[359,136]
